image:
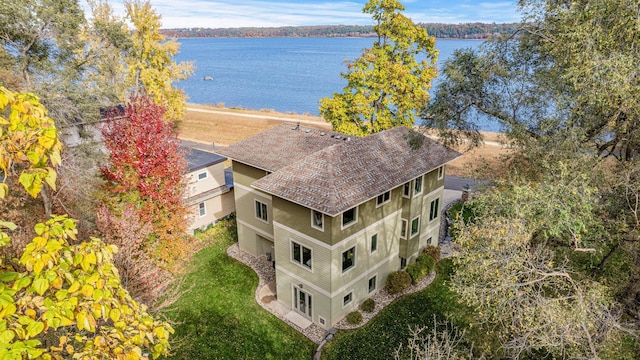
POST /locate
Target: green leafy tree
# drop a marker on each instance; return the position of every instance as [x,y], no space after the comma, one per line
[388,83]
[522,268]
[59,300]
[151,67]
[567,81]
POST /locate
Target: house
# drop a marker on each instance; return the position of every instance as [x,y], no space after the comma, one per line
[209,189]
[336,213]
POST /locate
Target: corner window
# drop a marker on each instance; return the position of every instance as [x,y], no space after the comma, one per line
[372,284]
[317,220]
[383,198]
[301,254]
[203,175]
[440,172]
[417,186]
[261,211]
[406,189]
[346,300]
[348,259]
[435,208]
[403,229]
[374,243]
[415,226]
[350,217]
[202,209]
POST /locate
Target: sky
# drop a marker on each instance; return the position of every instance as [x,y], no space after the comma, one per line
[257,13]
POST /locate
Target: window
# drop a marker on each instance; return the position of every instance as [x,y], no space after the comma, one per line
[301,254]
[417,186]
[322,321]
[403,263]
[372,284]
[348,259]
[203,175]
[440,172]
[435,207]
[347,299]
[202,208]
[406,190]
[415,226]
[374,243]
[317,220]
[350,216]
[403,229]
[261,211]
[383,198]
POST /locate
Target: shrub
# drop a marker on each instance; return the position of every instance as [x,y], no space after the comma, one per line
[422,267]
[368,305]
[397,281]
[433,251]
[354,318]
[417,271]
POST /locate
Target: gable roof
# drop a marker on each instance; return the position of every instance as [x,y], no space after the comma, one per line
[198,159]
[281,145]
[330,174]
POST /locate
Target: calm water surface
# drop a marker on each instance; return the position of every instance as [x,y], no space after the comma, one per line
[282,74]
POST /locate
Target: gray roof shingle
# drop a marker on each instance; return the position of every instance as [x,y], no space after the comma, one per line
[330,174]
[280,146]
[198,159]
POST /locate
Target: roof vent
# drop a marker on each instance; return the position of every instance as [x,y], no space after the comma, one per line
[307,130]
[323,133]
[296,127]
[338,137]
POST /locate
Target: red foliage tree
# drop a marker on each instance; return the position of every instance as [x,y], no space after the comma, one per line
[146,169]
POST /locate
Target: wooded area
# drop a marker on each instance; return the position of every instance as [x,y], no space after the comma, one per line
[440,31]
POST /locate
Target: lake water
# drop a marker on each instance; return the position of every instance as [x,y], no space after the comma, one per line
[282,74]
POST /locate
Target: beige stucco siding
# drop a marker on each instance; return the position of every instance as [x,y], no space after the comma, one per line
[299,218]
[216,208]
[255,236]
[214,178]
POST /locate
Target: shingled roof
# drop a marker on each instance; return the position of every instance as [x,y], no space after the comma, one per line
[198,159]
[281,145]
[344,175]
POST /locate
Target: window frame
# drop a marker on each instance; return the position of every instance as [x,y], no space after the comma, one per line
[345,301]
[292,245]
[354,221]
[205,173]
[441,172]
[260,208]
[434,207]
[202,209]
[313,224]
[406,190]
[411,233]
[404,224]
[353,261]
[375,284]
[418,185]
[373,250]
[386,197]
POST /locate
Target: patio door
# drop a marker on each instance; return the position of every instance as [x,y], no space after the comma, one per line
[302,302]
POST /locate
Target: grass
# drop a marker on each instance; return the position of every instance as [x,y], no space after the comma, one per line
[382,336]
[219,317]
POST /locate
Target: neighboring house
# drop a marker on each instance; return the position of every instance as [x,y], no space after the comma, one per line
[209,189]
[336,213]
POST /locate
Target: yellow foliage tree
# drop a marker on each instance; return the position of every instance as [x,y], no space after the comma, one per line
[61,300]
[151,67]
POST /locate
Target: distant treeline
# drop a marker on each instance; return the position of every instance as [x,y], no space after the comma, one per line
[442,31]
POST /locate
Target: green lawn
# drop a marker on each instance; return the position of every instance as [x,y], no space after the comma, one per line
[219,318]
[383,334]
